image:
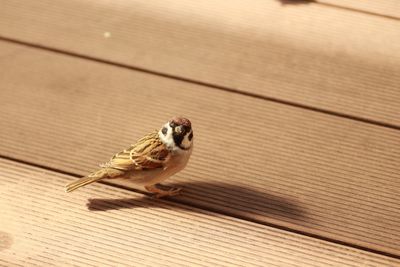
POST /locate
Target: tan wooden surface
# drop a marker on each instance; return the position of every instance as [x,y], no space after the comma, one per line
[386,8]
[271,163]
[108,226]
[296,117]
[313,55]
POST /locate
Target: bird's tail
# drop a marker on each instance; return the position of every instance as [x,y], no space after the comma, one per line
[93,177]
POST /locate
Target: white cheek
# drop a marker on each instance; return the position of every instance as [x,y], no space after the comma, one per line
[167,139]
[169,134]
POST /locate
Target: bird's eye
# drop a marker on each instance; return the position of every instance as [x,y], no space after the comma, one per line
[164,130]
[178,129]
[190,136]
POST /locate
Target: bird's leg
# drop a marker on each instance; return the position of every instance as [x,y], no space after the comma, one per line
[159,193]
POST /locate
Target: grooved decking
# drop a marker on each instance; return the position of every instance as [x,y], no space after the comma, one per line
[295,110]
[310,55]
[109,226]
[270,163]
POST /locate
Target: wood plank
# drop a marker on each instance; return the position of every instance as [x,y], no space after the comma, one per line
[106,226]
[388,8]
[331,59]
[254,159]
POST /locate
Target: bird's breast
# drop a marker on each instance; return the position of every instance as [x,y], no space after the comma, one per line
[176,163]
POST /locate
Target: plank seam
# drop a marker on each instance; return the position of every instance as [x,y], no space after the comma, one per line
[225,213]
[337,6]
[350,9]
[204,84]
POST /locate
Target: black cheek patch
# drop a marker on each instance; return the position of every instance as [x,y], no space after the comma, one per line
[190,136]
[164,130]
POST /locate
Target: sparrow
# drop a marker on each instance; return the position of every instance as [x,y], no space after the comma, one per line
[152,159]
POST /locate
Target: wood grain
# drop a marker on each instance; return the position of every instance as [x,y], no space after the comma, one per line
[386,8]
[254,159]
[108,226]
[312,55]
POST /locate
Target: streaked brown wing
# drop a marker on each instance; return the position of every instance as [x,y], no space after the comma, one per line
[121,161]
[147,153]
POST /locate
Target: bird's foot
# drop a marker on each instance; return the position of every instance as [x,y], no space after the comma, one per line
[159,193]
[173,191]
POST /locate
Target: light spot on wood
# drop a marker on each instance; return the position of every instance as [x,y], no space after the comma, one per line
[107,34]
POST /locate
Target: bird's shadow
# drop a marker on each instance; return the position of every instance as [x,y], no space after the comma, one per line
[229,199]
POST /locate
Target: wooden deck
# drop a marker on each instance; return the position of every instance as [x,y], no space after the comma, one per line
[296,113]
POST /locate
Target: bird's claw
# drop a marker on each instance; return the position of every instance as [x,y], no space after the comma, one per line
[159,193]
[168,193]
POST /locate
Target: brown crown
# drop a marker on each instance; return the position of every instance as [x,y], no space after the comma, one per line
[181,121]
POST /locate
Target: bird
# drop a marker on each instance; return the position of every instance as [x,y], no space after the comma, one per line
[152,159]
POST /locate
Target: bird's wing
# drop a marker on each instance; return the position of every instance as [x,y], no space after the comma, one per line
[147,153]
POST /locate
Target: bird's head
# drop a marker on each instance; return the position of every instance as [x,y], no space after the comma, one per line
[177,132]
